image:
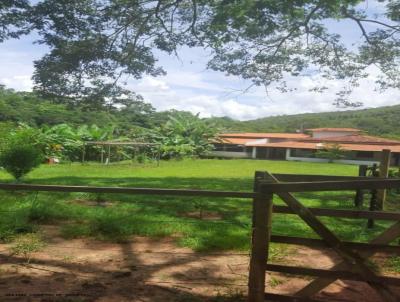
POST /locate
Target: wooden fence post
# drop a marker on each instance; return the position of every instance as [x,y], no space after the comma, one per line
[83,152]
[359,198]
[383,173]
[373,200]
[261,233]
[373,206]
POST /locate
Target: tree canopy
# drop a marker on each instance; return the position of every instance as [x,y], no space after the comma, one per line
[95,44]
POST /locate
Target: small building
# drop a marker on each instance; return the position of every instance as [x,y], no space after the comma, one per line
[359,148]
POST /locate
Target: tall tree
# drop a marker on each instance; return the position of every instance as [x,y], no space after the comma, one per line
[94,44]
[13,18]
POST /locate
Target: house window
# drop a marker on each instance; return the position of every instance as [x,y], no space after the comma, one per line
[302,153]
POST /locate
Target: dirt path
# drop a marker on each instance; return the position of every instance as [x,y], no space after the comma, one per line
[148,270]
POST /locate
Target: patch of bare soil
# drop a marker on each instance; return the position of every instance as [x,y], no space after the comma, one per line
[83,270]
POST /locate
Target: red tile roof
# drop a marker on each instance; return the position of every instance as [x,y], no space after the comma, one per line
[334,130]
[356,138]
[264,135]
[234,140]
[315,146]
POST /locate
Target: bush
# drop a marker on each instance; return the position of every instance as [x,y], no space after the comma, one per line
[331,153]
[142,158]
[18,160]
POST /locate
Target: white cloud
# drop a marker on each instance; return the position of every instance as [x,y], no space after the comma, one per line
[150,84]
[175,92]
[188,86]
[18,82]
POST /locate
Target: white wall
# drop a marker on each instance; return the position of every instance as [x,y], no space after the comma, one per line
[323,160]
[340,161]
[229,154]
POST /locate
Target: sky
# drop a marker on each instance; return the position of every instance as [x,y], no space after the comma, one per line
[189,86]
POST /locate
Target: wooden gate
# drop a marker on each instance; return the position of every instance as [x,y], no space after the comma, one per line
[354,255]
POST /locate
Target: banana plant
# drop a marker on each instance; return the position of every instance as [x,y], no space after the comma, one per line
[184,135]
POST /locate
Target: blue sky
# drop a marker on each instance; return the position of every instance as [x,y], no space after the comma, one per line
[189,86]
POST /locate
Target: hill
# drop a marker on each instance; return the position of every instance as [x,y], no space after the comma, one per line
[382,121]
[28,108]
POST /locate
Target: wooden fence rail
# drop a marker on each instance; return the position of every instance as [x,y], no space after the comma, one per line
[354,254]
[340,185]
[127,190]
[265,187]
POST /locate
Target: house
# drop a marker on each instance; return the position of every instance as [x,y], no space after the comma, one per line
[360,148]
[235,144]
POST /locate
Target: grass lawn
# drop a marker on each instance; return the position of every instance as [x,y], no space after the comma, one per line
[198,223]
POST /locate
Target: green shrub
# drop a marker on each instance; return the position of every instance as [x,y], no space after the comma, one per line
[109,226]
[331,153]
[142,158]
[20,159]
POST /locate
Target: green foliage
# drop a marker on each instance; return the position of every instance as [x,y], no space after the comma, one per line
[124,214]
[20,159]
[14,223]
[26,244]
[13,18]
[185,135]
[381,121]
[393,264]
[331,152]
[37,111]
[135,120]
[109,226]
[142,158]
[394,173]
[96,44]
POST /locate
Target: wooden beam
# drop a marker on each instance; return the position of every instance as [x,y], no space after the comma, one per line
[359,197]
[128,190]
[83,153]
[318,284]
[261,232]
[285,298]
[359,246]
[373,206]
[339,274]
[332,185]
[312,177]
[383,173]
[380,215]
[354,260]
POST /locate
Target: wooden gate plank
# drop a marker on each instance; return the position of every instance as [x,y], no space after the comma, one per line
[358,246]
[355,262]
[284,298]
[319,284]
[383,173]
[261,232]
[339,274]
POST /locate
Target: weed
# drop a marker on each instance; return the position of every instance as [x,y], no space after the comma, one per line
[273,281]
[109,226]
[393,264]
[27,244]
[72,231]
[230,295]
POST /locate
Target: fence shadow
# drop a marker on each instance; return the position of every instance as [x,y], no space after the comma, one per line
[114,272]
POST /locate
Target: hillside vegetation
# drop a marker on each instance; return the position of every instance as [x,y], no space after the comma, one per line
[28,108]
[383,121]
